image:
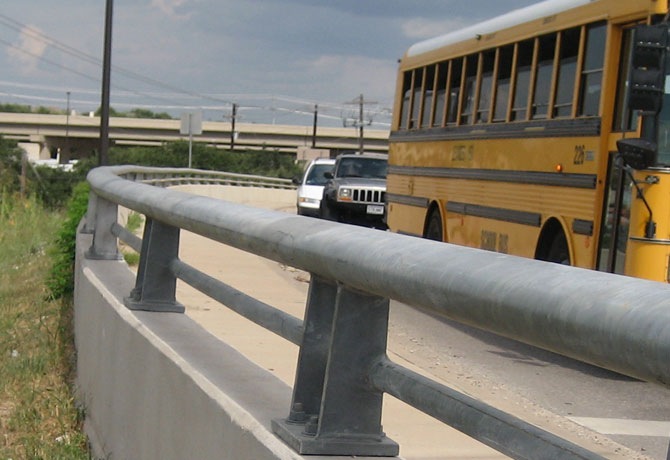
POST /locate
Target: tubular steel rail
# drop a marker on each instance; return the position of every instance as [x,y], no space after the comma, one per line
[166,177]
[615,322]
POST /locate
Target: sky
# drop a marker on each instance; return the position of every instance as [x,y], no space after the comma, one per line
[275,59]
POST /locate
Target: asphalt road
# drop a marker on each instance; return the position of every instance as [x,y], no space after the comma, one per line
[549,389]
[619,416]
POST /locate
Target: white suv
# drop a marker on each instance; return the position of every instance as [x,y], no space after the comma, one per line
[310,187]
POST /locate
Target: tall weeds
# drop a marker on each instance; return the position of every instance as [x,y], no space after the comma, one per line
[38,415]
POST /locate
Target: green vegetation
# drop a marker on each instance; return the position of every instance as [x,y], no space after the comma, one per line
[134,222]
[20,108]
[133,225]
[60,280]
[175,154]
[38,415]
[52,187]
[136,113]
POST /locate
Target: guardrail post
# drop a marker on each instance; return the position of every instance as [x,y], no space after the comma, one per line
[350,408]
[89,225]
[313,356]
[104,245]
[155,285]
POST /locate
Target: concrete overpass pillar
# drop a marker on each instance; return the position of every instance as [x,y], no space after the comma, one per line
[45,147]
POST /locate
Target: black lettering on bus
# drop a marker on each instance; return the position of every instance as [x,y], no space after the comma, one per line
[489,240]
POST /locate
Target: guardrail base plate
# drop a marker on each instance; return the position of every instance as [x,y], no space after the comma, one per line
[165,307]
[293,435]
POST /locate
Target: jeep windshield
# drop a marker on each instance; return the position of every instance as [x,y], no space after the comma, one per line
[316,174]
[369,168]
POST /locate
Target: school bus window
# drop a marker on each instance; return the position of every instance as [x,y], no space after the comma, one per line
[485,87]
[488,165]
[543,76]
[625,119]
[663,143]
[472,62]
[440,93]
[503,83]
[522,84]
[428,96]
[416,104]
[406,92]
[454,90]
[592,72]
[567,68]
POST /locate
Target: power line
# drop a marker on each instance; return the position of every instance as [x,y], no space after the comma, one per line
[226,98]
[49,61]
[16,25]
[68,69]
[221,98]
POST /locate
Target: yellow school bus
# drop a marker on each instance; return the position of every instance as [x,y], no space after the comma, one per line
[540,133]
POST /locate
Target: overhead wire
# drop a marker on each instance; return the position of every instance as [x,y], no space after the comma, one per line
[67,49]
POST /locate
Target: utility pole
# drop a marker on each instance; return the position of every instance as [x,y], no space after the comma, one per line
[316,114]
[360,122]
[106,77]
[232,127]
[360,125]
[67,117]
[190,140]
[67,130]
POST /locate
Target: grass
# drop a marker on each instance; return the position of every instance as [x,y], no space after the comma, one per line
[38,415]
[134,223]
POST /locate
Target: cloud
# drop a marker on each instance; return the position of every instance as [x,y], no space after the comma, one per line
[420,28]
[171,7]
[353,75]
[29,51]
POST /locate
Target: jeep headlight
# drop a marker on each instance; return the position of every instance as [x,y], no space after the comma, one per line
[344,194]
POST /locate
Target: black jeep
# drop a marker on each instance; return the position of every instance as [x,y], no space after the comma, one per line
[356,189]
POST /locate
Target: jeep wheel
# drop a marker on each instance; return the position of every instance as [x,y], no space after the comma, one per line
[326,211]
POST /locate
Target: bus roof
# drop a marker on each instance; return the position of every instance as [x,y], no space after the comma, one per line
[511,19]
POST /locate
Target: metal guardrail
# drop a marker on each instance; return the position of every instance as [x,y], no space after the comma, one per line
[167,177]
[615,322]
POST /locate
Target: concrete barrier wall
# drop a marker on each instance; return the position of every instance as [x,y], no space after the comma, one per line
[158,386]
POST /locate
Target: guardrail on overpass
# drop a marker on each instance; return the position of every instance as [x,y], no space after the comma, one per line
[616,322]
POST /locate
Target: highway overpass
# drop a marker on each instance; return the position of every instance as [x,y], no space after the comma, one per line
[77,136]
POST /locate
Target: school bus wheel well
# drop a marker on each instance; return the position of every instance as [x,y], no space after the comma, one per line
[433,228]
[552,245]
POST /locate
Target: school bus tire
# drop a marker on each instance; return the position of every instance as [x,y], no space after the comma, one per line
[553,244]
[433,227]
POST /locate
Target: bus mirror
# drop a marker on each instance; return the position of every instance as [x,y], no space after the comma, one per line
[637,153]
[646,82]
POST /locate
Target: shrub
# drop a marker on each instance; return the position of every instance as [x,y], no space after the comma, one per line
[175,154]
[61,278]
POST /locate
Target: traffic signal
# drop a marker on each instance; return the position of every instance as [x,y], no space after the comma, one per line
[646,82]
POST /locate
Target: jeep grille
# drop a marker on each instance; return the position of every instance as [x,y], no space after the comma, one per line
[361,195]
